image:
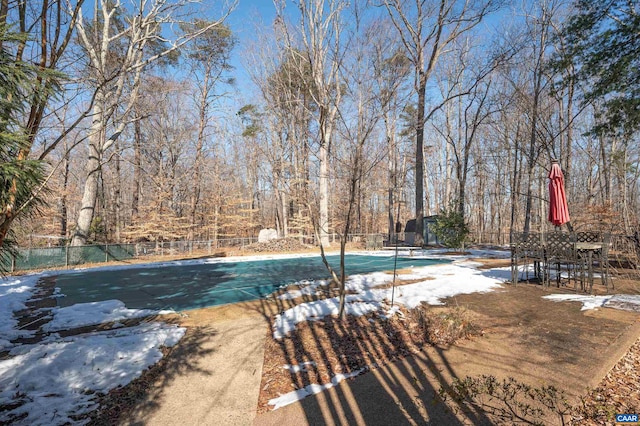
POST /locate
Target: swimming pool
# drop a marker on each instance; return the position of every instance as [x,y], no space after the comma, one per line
[192,285]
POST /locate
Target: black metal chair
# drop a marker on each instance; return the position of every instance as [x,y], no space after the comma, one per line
[560,251]
[597,258]
[526,248]
[601,259]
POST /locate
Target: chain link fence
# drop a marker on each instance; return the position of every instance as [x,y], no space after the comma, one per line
[67,256]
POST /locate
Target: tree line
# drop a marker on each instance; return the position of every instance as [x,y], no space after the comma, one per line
[124,121]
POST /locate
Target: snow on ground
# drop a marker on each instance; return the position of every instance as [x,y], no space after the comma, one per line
[293,396]
[308,288]
[618,301]
[439,282]
[13,295]
[299,367]
[56,380]
[355,305]
[93,313]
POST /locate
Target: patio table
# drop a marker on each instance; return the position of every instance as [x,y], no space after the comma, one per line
[557,248]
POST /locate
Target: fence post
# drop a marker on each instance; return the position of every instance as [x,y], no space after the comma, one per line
[66,257]
[106,253]
[13,262]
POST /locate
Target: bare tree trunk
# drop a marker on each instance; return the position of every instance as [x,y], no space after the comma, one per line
[63,198]
[606,170]
[515,182]
[285,222]
[94,169]
[419,195]
[532,157]
[137,168]
[392,165]
[324,195]
[197,164]
[117,198]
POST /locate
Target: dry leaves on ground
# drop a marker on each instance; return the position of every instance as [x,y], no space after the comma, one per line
[319,350]
[617,393]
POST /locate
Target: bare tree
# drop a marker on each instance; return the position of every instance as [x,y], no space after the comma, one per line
[357,119]
[208,57]
[465,114]
[320,28]
[391,71]
[118,51]
[427,28]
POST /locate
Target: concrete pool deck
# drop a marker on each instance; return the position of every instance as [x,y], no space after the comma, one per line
[213,376]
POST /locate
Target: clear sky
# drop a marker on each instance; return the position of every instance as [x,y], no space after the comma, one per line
[243,22]
[252,14]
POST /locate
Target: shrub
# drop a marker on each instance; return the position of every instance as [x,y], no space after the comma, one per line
[450,227]
[443,328]
[508,401]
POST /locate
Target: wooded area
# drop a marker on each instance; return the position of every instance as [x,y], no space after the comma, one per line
[123,121]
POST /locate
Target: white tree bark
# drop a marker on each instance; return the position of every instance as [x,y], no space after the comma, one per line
[320,30]
[116,84]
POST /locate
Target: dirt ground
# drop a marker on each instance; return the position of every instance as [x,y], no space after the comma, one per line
[518,334]
[523,336]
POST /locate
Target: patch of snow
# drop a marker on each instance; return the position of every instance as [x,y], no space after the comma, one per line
[307,288]
[444,280]
[14,292]
[299,367]
[617,301]
[588,302]
[391,312]
[93,313]
[291,397]
[286,322]
[451,280]
[54,381]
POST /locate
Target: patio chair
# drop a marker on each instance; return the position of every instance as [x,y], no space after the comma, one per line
[586,257]
[526,248]
[599,258]
[560,251]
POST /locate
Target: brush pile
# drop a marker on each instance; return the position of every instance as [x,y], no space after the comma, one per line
[278,246]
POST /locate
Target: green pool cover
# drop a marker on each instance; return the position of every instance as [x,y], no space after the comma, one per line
[195,285]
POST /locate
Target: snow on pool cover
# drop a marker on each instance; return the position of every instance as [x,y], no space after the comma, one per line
[198,285]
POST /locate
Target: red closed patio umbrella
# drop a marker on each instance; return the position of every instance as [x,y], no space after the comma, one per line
[558,209]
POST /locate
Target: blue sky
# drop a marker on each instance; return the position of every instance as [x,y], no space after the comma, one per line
[243,21]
